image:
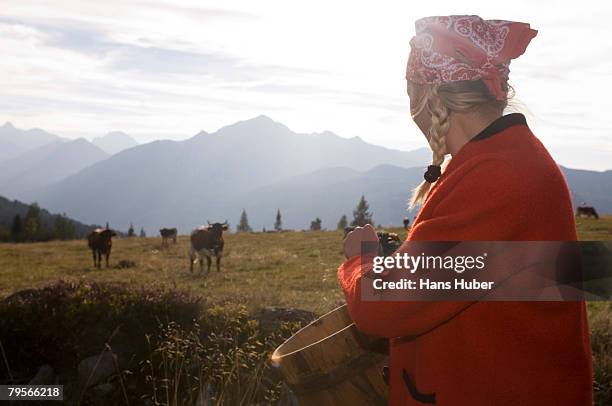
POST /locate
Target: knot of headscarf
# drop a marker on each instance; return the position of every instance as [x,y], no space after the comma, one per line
[458,47]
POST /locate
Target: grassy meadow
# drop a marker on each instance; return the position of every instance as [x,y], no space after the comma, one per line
[293,269]
[286,269]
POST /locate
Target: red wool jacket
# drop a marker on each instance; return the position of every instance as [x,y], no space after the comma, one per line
[501,187]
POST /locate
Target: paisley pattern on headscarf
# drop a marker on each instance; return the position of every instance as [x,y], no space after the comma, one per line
[463,47]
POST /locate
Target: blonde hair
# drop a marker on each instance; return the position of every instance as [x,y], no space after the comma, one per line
[440,100]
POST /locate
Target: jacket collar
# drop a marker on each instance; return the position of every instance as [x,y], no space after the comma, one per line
[499,125]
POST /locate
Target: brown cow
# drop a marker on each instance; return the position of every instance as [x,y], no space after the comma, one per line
[168,234]
[100,242]
[207,241]
[587,211]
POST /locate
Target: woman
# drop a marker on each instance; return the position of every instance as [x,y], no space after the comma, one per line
[500,185]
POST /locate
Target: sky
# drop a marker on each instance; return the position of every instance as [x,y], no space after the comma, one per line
[160,69]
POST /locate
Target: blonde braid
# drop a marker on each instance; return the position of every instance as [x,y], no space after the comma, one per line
[440,122]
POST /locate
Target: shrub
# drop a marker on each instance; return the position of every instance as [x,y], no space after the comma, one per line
[172,347]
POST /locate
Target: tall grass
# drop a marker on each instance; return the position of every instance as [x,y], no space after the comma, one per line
[174,349]
[600,321]
[185,337]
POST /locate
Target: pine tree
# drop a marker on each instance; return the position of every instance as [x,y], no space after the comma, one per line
[243,225]
[361,215]
[63,228]
[107,225]
[5,236]
[142,233]
[17,229]
[33,228]
[131,232]
[278,224]
[343,223]
[315,225]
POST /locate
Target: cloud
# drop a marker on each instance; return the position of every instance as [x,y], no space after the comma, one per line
[174,67]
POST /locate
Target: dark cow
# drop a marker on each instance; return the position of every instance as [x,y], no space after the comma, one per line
[100,242]
[406,223]
[586,211]
[389,242]
[207,241]
[168,234]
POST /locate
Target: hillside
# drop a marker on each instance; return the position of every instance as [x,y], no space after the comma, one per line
[46,165]
[328,194]
[183,183]
[11,208]
[592,188]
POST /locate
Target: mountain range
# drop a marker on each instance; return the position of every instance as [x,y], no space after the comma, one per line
[14,141]
[47,164]
[31,159]
[182,183]
[258,165]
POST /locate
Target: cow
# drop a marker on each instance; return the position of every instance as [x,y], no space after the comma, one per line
[168,234]
[587,211]
[207,241]
[406,223]
[389,242]
[100,243]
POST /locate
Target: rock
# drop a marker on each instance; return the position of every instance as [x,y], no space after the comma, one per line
[124,264]
[44,376]
[103,390]
[270,318]
[96,368]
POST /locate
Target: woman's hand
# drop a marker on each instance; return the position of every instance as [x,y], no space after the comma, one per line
[353,240]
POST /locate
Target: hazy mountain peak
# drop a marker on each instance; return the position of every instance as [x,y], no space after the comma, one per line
[262,118]
[114,142]
[15,141]
[79,141]
[260,125]
[326,133]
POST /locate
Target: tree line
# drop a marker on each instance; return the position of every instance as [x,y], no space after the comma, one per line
[33,228]
[361,217]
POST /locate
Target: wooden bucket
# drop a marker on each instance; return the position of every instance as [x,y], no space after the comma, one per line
[329,362]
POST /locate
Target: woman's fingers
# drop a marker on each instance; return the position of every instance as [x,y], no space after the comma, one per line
[354,239]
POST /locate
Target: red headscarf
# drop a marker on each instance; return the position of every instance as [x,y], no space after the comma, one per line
[452,48]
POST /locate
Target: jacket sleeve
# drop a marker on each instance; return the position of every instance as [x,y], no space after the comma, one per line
[484,205]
